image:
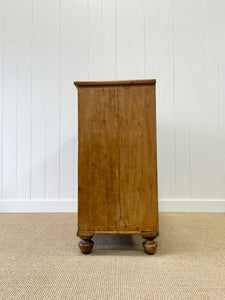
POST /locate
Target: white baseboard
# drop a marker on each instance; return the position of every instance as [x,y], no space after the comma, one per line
[66,205]
[193,205]
[38,206]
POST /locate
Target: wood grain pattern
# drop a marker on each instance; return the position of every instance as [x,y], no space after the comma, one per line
[138,161]
[98,181]
[117,168]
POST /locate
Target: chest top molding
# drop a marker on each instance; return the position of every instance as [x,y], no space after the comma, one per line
[116,82]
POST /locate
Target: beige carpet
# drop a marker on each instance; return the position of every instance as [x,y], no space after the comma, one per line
[40,259]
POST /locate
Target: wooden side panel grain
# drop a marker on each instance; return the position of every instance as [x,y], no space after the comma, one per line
[98,183]
[138,160]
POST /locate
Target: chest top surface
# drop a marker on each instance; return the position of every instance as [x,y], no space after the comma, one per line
[116,82]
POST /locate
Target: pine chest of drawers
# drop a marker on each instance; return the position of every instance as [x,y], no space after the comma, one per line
[117,161]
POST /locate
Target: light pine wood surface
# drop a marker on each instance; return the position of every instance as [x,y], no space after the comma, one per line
[117,160]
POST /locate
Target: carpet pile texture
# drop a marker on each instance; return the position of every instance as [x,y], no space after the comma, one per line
[40,259]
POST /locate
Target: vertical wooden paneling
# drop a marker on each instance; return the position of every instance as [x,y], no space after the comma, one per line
[123,39]
[80,37]
[95,31]
[67,100]
[152,67]
[151,18]
[52,100]
[10,84]
[24,99]
[211,99]
[221,91]
[80,69]
[196,101]
[38,87]
[2,63]
[137,36]
[46,45]
[165,102]
[108,40]
[181,19]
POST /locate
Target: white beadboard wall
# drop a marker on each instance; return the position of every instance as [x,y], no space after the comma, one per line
[45,45]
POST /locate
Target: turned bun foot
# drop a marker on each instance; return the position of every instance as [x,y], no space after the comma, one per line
[150,246]
[86,245]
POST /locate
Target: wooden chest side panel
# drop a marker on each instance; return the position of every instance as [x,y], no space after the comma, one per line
[98,174]
[138,159]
